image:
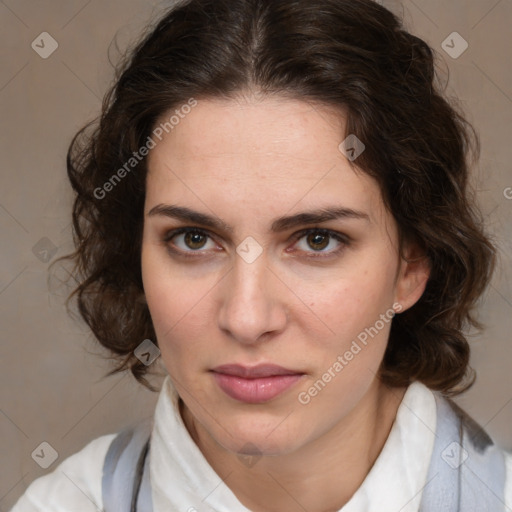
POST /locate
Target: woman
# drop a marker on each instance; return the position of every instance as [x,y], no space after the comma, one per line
[276,196]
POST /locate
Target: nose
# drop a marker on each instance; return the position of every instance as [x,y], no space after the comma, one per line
[252,303]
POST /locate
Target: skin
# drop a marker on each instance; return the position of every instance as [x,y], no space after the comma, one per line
[249,161]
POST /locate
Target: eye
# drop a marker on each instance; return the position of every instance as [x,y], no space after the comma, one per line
[320,241]
[189,240]
[315,242]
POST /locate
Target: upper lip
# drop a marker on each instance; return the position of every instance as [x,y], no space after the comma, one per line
[253,372]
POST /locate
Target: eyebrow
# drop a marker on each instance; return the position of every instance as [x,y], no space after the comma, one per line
[279,225]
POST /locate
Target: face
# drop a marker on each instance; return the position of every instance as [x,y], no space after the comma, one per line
[271,271]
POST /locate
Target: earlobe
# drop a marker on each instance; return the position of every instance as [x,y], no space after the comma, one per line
[413,277]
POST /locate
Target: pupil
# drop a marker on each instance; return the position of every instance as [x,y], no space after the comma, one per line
[194,240]
[318,241]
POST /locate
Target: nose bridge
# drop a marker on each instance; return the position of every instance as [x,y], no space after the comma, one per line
[251,279]
[250,304]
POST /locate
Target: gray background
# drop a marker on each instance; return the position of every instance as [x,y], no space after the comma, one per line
[52,386]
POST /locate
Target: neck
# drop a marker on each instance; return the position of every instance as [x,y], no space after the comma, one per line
[322,475]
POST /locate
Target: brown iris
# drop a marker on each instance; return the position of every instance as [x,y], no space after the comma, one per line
[195,240]
[318,241]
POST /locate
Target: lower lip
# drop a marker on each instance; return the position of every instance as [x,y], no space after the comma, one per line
[255,391]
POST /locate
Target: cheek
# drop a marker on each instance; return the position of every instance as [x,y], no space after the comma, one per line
[177,304]
[176,310]
[348,302]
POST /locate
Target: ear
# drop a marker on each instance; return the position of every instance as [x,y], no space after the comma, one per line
[412,276]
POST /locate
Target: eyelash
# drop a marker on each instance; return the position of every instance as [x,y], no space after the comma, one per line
[344,241]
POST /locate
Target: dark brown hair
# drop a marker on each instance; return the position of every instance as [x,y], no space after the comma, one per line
[353,54]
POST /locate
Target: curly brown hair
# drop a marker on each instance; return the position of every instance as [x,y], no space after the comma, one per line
[353,54]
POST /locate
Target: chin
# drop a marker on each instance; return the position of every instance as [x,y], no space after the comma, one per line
[267,435]
[257,446]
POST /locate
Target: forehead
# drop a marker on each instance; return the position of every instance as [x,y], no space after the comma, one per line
[254,128]
[258,151]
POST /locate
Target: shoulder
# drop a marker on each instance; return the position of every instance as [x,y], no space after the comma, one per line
[483,461]
[75,484]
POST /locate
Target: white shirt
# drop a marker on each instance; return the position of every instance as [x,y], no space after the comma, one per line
[394,482]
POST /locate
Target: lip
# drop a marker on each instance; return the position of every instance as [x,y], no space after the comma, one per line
[256,384]
[254,372]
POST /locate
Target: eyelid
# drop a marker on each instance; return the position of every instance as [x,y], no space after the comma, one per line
[186,229]
[324,231]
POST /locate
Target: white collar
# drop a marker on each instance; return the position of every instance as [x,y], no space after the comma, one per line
[183,480]
[396,480]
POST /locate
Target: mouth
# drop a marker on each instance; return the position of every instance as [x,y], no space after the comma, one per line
[257,384]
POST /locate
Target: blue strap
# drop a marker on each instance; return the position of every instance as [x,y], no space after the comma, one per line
[145,500]
[467,471]
[442,490]
[483,474]
[125,482]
